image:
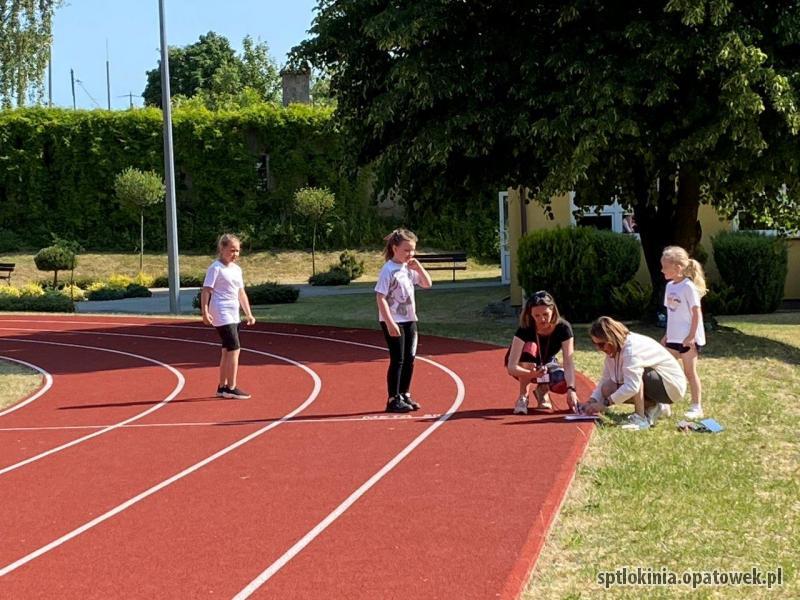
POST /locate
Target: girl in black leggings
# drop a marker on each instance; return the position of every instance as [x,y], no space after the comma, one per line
[397,313]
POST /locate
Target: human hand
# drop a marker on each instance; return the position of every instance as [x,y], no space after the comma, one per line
[414,264]
[208,319]
[572,401]
[249,320]
[688,341]
[394,330]
[593,407]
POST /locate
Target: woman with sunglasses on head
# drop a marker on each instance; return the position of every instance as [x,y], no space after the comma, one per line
[542,334]
[637,370]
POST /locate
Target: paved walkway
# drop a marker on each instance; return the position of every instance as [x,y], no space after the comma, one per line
[158,303]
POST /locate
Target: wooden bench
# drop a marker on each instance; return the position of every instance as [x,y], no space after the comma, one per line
[444,261]
[5,271]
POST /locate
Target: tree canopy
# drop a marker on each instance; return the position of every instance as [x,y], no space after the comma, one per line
[211,69]
[661,105]
[25,37]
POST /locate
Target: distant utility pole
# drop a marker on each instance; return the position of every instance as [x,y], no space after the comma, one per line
[172,224]
[108,77]
[130,96]
[72,79]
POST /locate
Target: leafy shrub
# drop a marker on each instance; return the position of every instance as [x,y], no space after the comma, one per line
[264,293]
[10,241]
[335,276]
[31,290]
[272,293]
[579,266]
[349,263]
[55,258]
[722,299]
[84,282]
[28,300]
[631,300]
[134,290]
[755,266]
[102,291]
[116,289]
[162,281]
[73,292]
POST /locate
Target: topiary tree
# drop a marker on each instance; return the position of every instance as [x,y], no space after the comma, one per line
[136,190]
[314,204]
[58,257]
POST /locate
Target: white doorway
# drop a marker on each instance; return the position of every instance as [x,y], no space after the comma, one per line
[505,255]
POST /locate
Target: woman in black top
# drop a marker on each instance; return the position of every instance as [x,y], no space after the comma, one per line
[542,333]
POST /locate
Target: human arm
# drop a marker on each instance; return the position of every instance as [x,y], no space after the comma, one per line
[689,340]
[424,278]
[205,298]
[386,314]
[568,351]
[244,301]
[514,356]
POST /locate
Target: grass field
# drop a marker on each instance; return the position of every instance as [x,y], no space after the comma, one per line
[284,266]
[659,499]
[16,382]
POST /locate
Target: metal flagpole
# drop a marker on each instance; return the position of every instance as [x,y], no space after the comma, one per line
[169,172]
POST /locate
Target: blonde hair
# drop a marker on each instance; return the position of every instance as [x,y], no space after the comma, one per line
[397,237]
[225,240]
[609,330]
[689,267]
[540,298]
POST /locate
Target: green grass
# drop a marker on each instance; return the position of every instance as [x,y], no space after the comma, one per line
[16,382]
[284,266]
[659,498]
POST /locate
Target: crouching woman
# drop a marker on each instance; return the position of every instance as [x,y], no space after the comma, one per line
[637,370]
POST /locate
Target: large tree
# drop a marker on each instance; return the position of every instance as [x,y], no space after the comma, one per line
[663,105]
[25,38]
[212,68]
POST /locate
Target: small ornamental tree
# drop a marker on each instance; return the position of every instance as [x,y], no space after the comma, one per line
[58,257]
[136,190]
[315,204]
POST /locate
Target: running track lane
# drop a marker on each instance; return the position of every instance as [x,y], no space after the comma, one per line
[461,516]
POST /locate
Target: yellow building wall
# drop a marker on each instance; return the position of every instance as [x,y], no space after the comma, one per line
[710,223]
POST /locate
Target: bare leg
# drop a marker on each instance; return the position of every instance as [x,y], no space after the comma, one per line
[223,361]
[542,396]
[231,367]
[690,368]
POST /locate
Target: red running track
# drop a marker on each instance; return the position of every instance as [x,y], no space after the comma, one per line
[128,478]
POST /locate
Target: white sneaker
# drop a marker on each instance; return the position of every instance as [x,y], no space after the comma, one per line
[694,412]
[636,423]
[521,407]
[666,410]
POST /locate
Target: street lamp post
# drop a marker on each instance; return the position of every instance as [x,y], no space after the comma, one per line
[169,172]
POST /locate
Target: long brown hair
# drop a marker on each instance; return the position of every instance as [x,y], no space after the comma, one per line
[540,298]
[397,237]
[609,330]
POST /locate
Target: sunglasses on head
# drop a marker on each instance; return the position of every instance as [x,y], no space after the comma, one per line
[541,297]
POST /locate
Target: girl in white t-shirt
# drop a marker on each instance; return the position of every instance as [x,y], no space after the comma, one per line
[397,313]
[685,335]
[222,296]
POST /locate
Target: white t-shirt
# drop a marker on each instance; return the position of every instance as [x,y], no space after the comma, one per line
[627,368]
[225,281]
[396,281]
[680,298]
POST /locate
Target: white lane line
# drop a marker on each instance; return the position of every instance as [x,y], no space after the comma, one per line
[364,419]
[188,471]
[276,566]
[309,537]
[75,442]
[48,383]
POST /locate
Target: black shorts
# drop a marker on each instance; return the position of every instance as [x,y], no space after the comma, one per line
[681,349]
[229,334]
[654,387]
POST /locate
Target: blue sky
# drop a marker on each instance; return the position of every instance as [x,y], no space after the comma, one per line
[82,27]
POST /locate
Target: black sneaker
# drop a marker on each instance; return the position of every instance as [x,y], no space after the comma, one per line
[407,399]
[396,405]
[235,393]
[221,391]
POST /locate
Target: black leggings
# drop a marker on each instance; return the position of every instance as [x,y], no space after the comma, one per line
[402,351]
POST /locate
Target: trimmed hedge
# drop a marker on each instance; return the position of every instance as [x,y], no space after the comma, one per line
[335,276]
[32,298]
[580,266]
[264,293]
[754,266]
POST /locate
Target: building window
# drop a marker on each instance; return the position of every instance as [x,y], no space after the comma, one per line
[613,217]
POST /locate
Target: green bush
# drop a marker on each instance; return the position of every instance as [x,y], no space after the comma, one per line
[46,301]
[580,266]
[755,266]
[10,241]
[264,293]
[722,299]
[105,292]
[349,263]
[55,258]
[162,281]
[335,276]
[134,290]
[631,300]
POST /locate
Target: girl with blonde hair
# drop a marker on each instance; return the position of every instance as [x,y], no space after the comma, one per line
[685,337]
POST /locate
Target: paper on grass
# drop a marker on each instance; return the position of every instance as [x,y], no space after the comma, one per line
[581,417]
